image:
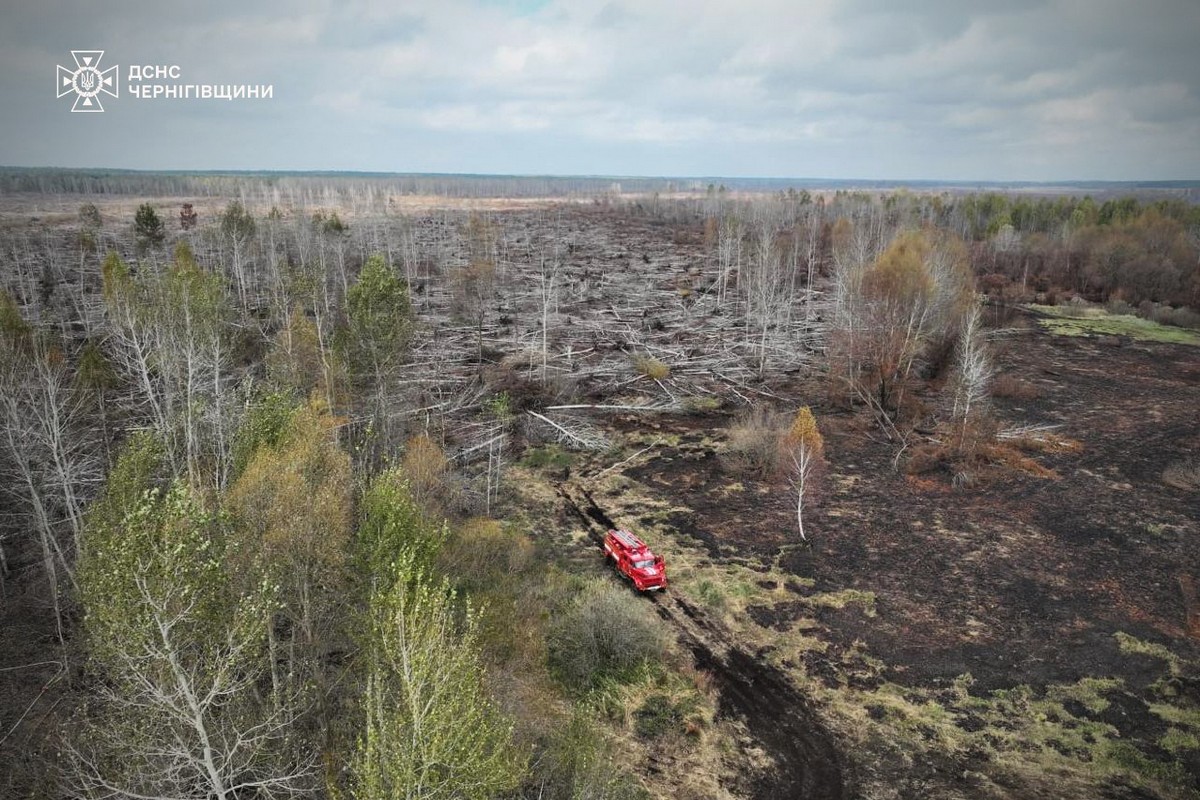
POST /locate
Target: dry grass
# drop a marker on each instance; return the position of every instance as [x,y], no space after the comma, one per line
[1183,474]
[1009,456]
[754,440]
[989,456]
[1013,388]
[651,367]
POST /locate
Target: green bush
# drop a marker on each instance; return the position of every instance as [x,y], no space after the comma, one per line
[148,227]
[710,594]
[549,457]
[606,634]
[577,762]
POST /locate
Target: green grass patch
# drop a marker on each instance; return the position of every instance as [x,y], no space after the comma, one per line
[1092,321]
[1178,715]
[1133,645]
[549,457]
[1178,741]
[1129,759]
[710,594]
[699,405]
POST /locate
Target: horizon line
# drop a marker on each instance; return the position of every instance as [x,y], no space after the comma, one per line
[1152,182]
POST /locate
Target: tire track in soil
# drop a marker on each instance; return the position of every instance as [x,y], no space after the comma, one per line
[777,715]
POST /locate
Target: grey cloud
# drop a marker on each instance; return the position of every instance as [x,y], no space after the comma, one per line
[944,89]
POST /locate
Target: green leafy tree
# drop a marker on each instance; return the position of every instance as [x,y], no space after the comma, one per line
[379,325]
[148,227]
[172,338]
[179,649]
[901,308]
[431,730]
[291,506]
[299,362]
[393,524]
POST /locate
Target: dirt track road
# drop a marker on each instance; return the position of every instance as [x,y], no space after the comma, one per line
[774,711]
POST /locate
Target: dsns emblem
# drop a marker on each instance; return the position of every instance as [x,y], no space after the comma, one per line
[87,80]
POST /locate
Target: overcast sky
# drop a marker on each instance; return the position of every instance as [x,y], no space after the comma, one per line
[947,90]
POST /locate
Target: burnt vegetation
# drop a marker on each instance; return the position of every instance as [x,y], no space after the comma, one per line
[309,486]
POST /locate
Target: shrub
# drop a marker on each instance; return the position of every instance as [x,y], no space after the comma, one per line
[651,367]
[1184,317]
[710,594]
[485,556]
[551,456]
[702,405]
[148,226]
[607,633]
[426,467]
[993,284]
[330,224]
[512,379]
[1116,305]
[754,441]
[89,216]
[924,459]
[500,406]
[1162,315]
[577,761]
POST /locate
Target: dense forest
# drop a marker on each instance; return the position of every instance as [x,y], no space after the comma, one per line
[262,535]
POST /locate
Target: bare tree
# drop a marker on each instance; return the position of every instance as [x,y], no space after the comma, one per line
[547,278]
[973,374]
[51,457]
[238,228]
[728,252]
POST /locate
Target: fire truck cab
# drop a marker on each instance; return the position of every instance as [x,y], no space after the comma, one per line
[633,559]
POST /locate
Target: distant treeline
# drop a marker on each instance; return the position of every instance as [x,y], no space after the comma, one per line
[243,183]
[238,184]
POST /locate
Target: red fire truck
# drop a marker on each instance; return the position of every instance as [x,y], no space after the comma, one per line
[635,561]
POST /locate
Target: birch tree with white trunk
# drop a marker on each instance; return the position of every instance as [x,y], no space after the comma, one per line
[805,449]
[180,651]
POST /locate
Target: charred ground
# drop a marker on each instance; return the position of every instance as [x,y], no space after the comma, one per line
[1055,594]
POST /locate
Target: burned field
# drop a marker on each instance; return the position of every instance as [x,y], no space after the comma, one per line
[1024,635]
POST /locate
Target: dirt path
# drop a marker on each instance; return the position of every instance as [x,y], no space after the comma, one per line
[775,712]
